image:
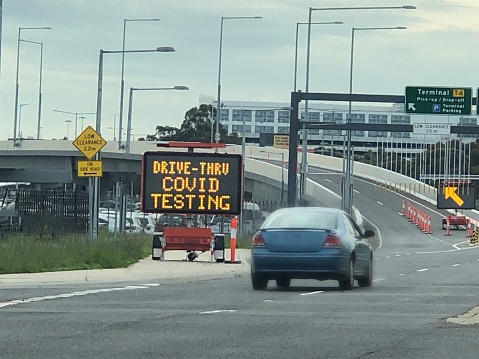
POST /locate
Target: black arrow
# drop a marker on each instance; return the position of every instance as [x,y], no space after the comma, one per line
[89,173]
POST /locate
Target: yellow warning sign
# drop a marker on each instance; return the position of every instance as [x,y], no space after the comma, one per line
[90,169]
[474,238]
[89,142]
[281,141]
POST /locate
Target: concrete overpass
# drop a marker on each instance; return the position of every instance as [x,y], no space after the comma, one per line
[54,162]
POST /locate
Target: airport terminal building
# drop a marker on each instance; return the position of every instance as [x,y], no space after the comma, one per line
[260,118]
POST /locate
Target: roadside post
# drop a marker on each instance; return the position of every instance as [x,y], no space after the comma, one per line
[89,143]
[234,226]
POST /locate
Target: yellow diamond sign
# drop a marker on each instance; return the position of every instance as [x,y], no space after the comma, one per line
[89,142]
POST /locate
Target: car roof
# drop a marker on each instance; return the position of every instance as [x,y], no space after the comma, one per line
[316,209]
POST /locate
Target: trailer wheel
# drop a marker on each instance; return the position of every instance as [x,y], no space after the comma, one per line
[192,256]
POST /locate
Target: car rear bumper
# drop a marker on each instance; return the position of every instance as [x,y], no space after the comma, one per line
[332,264]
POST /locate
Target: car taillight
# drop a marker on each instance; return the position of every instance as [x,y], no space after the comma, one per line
[258,240]
[332,241]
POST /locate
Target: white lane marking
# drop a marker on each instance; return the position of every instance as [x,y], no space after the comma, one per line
[310,293]
[380,203]
[437,252]
[267,300]
[398,255]
[455,265]
[219,311]
[328,180]
[422,270]
[378,232]
[355,190]
[74,294]
[402,274]
[378,279]
[388,257]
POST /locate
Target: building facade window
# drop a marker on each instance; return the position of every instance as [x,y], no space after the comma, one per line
[239,114]
[358,118]
[283,116]
[468,121]
[400,119]
[332,117]
[312,116]
[263,116]
[239,129]
[374,118]
[264,129]
[225,115]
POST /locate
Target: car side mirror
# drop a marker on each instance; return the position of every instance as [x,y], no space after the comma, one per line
[368,233]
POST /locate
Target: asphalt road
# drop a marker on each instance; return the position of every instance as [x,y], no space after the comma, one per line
[420,281]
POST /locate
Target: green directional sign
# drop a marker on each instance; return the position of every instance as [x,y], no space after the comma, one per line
[438,100]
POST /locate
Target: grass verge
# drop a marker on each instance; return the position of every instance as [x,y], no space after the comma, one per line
[31,254]
[241,241]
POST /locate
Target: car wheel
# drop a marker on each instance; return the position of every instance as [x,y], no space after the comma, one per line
[348,282]
[283,282]
[259,283]
[367,281]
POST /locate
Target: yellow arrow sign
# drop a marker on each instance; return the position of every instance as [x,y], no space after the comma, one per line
[89,142]
[90,169]
[451,192]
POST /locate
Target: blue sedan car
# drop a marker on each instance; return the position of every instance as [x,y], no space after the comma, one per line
[311,243]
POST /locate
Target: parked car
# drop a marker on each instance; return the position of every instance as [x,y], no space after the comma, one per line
[107,220]
[311,243]
[146,222]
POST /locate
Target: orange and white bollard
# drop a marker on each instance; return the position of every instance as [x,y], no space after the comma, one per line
[448,229]
[403,208]
[234,229]
[428,229]
[410,217]
[469,231]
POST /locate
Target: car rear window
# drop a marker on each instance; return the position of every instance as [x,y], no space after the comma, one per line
[297,219]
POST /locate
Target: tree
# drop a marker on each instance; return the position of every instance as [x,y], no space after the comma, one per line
[196,127]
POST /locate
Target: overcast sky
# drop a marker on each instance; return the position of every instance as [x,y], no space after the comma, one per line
[439,48]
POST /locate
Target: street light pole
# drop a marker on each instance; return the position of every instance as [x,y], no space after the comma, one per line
[39,122]
[76,117]
[130,108]
[15,144]
[94,183]
[20,120]
[68,127]
[122,89]
[347,198]
[296,44]
[218,99]
[308,52]
[304,156]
